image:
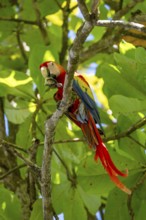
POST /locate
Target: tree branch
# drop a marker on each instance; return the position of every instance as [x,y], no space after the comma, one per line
[123,134]
[129,131]
[84,10]
[51,123]
[18,154]
[42,29]
[21,46]
[18,20]
[12,170]
[65,30]
[4,142]
[126,9]
[123,24]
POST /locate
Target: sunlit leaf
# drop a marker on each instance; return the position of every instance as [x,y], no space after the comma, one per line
[16,83]
[9,205]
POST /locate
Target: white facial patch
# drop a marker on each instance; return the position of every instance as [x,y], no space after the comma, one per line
[44,71]
[53,68]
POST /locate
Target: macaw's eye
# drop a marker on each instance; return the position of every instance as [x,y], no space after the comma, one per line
[48,72]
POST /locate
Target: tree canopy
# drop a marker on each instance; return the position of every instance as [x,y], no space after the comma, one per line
[46,166]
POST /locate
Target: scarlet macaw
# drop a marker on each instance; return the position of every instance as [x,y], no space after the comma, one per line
[83,112]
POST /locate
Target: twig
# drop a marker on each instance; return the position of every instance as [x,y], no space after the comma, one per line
[84,10]
[18,20]
[129,131]
[73,8]
[94,7]
[59,5]
[42,29]
[12,170]
[21,47]
[69,175]
[137,142]
[75,140]
[18,154]
[126,9]
[4,142]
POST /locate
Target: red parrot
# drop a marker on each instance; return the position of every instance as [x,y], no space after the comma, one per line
[83,112]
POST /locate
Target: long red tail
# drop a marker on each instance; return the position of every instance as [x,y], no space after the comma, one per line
[94,139]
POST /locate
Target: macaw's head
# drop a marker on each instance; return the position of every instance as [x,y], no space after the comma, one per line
[53,73]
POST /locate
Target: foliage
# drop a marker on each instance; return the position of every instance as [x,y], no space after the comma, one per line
[32,32]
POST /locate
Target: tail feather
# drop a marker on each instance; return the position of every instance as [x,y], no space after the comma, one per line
[103,154]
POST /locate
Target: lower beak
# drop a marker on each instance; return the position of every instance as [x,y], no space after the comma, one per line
[50,82]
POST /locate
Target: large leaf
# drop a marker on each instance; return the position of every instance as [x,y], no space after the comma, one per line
[67,199]
[48,7]
[17,111]
[116,84]
[16,83]
[9,205]
[37,213]
[125,105]
[91,201]
[136,203]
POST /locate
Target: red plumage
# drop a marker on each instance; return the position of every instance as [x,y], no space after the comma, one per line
[83,113]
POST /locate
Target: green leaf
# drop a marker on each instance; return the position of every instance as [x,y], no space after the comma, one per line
[28,10]
[116,207]
[140,55]
[130,71]
[119,199]
[23,138]
[16,83]
[67,199]
[75,207]
[17,111]
[49,7]
[133,149]
[125,47]
[124,105]
[116,83]
[37,212]
[33,37]
[9,205]
[59,194]
[91,201]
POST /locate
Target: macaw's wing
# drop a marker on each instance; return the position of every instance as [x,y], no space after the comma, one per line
[83,90]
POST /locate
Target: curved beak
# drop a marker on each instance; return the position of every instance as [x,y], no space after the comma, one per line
[51,82]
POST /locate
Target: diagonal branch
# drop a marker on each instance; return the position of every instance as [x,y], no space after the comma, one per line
[51,123]
[84,10]
[129,131]
[12,170]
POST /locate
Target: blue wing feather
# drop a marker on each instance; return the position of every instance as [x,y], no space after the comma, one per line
[88,102]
